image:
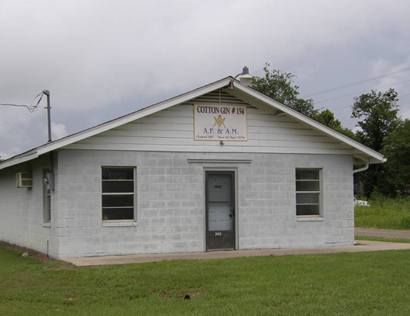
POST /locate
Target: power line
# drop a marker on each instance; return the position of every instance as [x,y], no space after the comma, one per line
[347,106]
[403,95]
[32,108]
[350,94]
[350,105]
[28,107]
[399,96]
[350,84]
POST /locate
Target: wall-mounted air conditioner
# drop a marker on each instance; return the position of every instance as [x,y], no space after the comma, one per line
[24,179]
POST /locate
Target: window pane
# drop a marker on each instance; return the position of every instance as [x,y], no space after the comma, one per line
[118,173]
[307,186]
[307,198]
[307,209]
[118,213]
[117,186]
[307,180]
[309,174]
[118,200]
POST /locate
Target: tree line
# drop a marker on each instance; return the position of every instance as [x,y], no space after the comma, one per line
[378,123]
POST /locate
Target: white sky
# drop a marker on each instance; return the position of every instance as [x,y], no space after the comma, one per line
[101,59]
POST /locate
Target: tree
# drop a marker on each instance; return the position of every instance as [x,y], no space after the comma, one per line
[327,117]
[397,151]
[280,87]
[377,115]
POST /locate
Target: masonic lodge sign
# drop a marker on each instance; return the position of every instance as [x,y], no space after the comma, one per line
[220,122]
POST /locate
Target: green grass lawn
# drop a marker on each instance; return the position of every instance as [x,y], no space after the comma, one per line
[345,284]
[384,213]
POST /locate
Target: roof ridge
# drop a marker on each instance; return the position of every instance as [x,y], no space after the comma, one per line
[184,97]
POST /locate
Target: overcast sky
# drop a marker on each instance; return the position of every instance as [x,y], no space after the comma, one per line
[101,59]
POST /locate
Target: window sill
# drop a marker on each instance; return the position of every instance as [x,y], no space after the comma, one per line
[309,219]
[120,223]
[46,225]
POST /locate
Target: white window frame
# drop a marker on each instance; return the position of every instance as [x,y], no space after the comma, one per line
[119,222]
[320,202]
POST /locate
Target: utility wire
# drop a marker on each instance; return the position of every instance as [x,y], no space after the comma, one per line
[350,94]
[403,95]
[30,108]
[350,84]
[399,96]
[346,106]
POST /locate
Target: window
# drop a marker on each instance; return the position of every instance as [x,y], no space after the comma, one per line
[47,195]
[118,195]
[307,192]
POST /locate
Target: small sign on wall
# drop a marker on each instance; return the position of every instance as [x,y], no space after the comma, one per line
[220,122]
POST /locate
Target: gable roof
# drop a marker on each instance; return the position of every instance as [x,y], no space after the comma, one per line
[238,89]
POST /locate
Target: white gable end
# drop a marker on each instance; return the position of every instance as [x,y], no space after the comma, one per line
[173,130]
[288,132]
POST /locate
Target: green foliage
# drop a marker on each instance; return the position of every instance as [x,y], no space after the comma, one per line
[327,284]
[327,117]
[385,213]
[397,151]
[377,115]
[280,87]
[405,222]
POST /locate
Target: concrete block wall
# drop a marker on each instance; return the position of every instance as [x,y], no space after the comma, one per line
[21,209]
[268,206]
[171,203]
[169,210]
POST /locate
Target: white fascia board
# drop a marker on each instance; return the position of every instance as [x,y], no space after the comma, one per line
[19,159]
[43,149]
[374,156]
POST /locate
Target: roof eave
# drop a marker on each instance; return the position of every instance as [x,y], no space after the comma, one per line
[18,159]
[373,156]
[119,121]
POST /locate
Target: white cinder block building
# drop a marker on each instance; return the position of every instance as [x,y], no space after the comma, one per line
[219,167]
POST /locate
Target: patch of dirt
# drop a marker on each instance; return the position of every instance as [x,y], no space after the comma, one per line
[191,295]
[27,252]
[181,294]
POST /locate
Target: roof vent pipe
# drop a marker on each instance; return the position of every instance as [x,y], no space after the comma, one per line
[244,77]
